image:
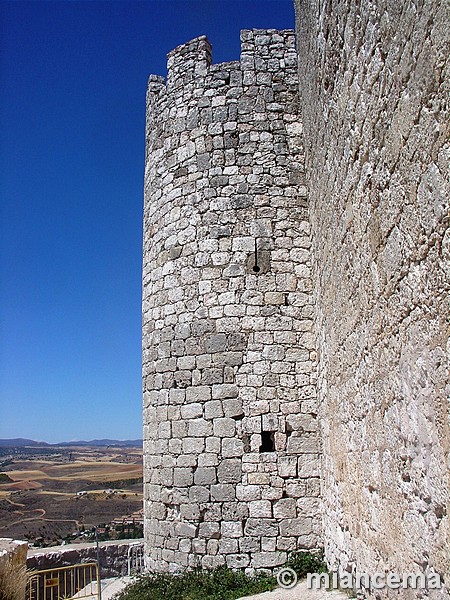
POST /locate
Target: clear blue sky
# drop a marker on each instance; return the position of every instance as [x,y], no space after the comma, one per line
[72,111]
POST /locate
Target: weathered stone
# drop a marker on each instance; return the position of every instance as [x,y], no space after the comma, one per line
[260,508]
[286,508]
[237,561]
[199,427]
[183,477]
[198,393]
[224,427]
[261,527]
[225,390]
[213,409]
[223,492]
[268,559]
[231,447]
[231,529]
[205,476]
[191,411]
[216,343]
[229,471]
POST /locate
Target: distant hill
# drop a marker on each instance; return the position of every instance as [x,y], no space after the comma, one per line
[21,442]
[105,442]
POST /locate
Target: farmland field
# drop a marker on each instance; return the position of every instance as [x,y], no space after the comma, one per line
[47,497]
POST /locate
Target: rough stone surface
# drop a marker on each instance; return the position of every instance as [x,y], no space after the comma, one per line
[114,556]
[227,311]
[374,93]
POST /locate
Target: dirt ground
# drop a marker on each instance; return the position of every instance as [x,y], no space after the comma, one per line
[43,499]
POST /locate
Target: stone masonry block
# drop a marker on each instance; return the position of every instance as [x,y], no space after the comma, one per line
[216,343]
[199,393]
[232,447]
[258,527]
[260,508]
[233,407]
[224,427]
[268,559]
[303,444]
[183,477]
[225,390]
[237,561]
[205,476]
[285,508]
[213,409]
[294,527]
[191,411]
[209,530]
[229,471]
[223,492]
[199,428]
[231,529]
[287,466]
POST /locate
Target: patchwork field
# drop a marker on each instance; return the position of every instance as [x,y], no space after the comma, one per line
[49,497]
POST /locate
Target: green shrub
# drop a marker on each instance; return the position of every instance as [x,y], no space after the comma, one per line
[306,562]
[217,584]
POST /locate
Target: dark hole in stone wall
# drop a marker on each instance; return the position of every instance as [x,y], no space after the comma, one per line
[259,263]
[267,441]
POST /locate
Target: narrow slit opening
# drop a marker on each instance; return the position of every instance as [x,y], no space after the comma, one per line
[267,441]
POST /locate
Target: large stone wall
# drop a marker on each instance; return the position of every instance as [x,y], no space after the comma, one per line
[231,456]
[374,88]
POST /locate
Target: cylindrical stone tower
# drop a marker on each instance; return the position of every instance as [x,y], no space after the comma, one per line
[230,443]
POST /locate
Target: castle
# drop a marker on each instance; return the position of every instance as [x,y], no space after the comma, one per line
[295,296]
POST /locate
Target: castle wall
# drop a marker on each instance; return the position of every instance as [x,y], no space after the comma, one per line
[231,453]
[374,90]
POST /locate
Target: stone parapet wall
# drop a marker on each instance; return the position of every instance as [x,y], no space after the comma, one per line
[116,557]
[374,94]
[231,452]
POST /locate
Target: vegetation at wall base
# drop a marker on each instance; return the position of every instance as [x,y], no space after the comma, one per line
[306,562]
[220,583]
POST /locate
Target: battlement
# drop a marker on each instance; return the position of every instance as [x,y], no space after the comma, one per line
[261,50]
[188,61]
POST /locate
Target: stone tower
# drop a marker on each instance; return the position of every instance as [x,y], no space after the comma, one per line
[230,431]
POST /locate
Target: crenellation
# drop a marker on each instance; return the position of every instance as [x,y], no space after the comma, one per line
[188,62]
